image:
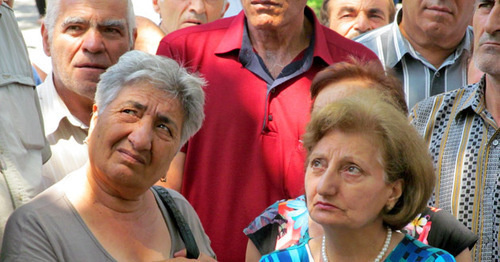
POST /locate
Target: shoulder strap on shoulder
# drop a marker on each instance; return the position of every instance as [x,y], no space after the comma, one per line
[184,230]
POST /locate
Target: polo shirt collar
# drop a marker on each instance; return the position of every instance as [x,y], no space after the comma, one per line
[234,34]
[57,110]
[6,6]
[321,49]
[233,37]
[402,46]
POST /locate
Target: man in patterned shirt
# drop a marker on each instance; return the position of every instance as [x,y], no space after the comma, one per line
[428,46]
[462,129]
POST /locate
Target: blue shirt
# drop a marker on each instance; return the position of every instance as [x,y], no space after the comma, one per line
[409,249]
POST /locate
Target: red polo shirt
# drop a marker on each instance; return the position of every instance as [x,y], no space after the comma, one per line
[248,153]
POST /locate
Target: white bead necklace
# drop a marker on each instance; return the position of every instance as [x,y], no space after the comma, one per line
[380,255]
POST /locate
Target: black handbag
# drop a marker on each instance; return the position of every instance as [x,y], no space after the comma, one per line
[192,249]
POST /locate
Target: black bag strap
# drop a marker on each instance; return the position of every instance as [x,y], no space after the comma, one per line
[187,236]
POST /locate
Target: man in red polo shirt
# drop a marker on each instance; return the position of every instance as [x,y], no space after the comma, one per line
[258,66]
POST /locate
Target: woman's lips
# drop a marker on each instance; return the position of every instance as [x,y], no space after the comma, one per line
[326,206]
[131,156]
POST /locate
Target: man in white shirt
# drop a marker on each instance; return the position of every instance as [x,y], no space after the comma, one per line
[83,38]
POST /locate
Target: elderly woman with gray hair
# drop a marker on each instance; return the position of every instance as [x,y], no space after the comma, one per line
[146,108]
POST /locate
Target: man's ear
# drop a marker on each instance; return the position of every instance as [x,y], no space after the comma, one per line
[134,38]
[156,7]
[93,119]
[45,38]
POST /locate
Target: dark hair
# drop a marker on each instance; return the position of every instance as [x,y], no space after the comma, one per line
[371,71]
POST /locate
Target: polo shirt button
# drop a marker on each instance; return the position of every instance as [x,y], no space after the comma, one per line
[273,90]
[438,74]
[495,142]
[270,118]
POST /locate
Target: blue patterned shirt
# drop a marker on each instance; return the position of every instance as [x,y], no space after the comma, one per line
[409,249]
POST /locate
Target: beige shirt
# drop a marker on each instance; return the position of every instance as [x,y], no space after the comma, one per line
[64,132]
[23,148]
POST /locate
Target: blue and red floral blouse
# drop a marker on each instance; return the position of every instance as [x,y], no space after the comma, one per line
[285,223]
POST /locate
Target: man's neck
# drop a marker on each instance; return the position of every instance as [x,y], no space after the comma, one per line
[492,97]
[279,47]
[79,106]
[433,50]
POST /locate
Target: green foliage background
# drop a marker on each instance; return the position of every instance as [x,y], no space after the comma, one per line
[315,5]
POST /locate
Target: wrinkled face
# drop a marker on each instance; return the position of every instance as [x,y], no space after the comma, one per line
[440,20]
[344,182]
[89,36]
[177,14]
[351,18]
[272,14]
[338,90]
[133,141]
[487,37]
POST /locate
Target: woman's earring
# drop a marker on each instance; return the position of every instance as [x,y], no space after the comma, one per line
[163,179]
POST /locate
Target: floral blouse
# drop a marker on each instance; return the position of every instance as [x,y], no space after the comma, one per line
[285,223]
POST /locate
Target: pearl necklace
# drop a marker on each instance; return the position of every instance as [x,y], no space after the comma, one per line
[380,255]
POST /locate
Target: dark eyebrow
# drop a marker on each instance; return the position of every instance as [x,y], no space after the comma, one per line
[136,105]
[349,9]
[162,118]
[375,10]
[167,120]
[118,23]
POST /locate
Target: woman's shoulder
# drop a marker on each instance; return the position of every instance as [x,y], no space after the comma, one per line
[410,249]
[180,201]
[441,229]
[283,224]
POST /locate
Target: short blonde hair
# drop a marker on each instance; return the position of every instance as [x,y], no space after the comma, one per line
[405,155]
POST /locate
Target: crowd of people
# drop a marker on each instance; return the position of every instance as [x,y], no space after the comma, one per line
[366,132]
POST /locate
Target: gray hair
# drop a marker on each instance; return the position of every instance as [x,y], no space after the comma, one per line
[54,6]
[162,73]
